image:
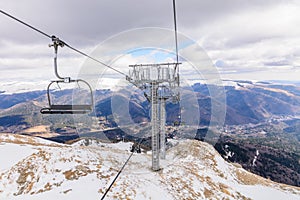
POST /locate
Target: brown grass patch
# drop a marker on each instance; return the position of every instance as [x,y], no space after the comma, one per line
[70,175]
[208,193]
[224,189]
[250,179]
[37,129]
[78,172]
[48,187]
[23,139]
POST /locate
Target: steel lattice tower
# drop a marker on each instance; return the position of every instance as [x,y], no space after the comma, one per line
[160,83]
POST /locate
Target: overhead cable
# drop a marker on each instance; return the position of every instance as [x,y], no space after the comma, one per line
[175,29]
[69,46]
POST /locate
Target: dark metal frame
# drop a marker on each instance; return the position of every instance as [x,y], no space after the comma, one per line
[65,108]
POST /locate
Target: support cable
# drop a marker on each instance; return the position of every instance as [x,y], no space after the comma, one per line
[112,183]
[28,25]
[116,176]
[175,28]
[62,42]
[96,60]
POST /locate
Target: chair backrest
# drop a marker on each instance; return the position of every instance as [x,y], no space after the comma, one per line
[80,108]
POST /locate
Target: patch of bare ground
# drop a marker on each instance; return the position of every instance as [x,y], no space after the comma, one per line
[184,188]
[224,189]
[290,188]
[37,129]
[126,191]
[208,193]
[250,179]
[47,187]
[23,140]
[216,187]
[73,141]
[73,174]
[25,181]
[27,177]
[197,150]
[79,171]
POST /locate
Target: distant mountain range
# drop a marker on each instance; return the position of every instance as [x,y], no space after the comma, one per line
[246,102]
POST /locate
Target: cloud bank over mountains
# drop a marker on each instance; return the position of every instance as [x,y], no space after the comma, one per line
[245,40]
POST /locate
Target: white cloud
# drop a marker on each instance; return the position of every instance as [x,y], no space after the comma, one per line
[249,37]
[264,39]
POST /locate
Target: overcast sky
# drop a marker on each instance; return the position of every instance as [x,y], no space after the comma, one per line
[257,40]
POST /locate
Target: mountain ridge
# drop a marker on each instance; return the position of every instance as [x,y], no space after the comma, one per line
[193,169]
[245,102]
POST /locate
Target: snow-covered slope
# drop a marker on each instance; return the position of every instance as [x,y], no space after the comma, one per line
[32,168]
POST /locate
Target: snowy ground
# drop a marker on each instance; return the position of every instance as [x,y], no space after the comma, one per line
[39,169]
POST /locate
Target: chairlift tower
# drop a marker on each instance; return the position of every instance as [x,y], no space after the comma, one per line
[160,82]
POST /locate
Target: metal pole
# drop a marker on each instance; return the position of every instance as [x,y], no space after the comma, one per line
[155,126]
[162,128]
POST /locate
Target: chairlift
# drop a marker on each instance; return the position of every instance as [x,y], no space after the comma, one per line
[66,108]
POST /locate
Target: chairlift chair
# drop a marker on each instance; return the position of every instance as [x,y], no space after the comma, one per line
[65,108]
